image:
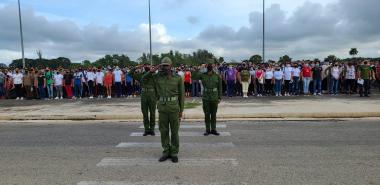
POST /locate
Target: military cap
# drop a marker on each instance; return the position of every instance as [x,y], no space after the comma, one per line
[166,61]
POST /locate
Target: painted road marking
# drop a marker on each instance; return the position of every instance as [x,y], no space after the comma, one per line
[185,145]
[151,183]
[193,126]
[184,134]
[123,161]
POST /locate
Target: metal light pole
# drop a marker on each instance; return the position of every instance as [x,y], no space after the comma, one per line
[150,37]
[21,34]
[263,31]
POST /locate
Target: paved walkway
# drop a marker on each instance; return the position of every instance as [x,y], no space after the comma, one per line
[229,109]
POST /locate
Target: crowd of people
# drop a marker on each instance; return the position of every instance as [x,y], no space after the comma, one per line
[244,80]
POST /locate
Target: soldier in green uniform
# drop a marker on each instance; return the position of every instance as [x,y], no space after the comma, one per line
[148,101]
[212,94]
[171,98]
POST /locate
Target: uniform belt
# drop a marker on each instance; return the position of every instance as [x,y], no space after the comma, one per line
[147,90]
[212,90]
[168,99]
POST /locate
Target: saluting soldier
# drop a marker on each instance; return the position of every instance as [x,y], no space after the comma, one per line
[212,95]
[171,95]
[148,101]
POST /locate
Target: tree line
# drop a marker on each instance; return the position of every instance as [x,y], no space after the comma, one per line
[194,59]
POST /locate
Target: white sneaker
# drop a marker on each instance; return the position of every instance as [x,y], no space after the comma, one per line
[61,98]
[91,97]
[56,98]
[315,94]
[17,98]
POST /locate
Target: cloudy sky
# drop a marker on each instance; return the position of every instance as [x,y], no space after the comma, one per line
[89,29]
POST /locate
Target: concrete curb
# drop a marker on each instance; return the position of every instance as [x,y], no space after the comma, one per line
[335,115]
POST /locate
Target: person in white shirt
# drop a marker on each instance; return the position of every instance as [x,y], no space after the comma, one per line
[279,78]
[269,81]
[296,71]
[288,70]
[350,78]
[252,85]
[117,80]
[58,84]
[335,72]
[17,79]
[99,77]
[90,81]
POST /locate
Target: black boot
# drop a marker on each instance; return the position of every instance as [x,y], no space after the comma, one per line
[175,159]
[164,158]
[214,132]
[146,133]
[152,133]
[207,133]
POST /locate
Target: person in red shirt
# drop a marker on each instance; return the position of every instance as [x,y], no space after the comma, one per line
[306,75]
[187,80]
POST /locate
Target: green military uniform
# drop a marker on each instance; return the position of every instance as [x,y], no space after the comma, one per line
[171,95]
[148,101]
[212,94]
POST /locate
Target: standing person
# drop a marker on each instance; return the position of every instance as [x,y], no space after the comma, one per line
[317,79]
[117,81]
[195,77]
[296,72]
[99,76]
[334,80]
[306,78]
[231,81]
[108,83]
[17,80]
[2,84]
[279,79]
[366,74]
[350,78]
[148,100]
[129,83]
[58,84]
[378,74]
[245,80]
[171,95]
[41,84]
[85,89]
[187,81]
[91,82]
[252,85]
[49,82]
[260,81]
[212,96]
[288,70]
[78,88]
[68,78]
[269,81]
[29,83]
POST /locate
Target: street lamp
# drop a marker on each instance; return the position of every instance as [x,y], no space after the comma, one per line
[22,37]
[150,36]
[263,31]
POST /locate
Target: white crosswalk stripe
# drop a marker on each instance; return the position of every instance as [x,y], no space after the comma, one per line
[185,145]
[195,126]
[184,134]
[201,162]
[151,183]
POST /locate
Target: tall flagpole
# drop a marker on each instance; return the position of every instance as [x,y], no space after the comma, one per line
[150,37]
[21,34]
[263,31]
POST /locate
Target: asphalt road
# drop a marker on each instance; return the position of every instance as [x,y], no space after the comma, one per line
[88,153]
